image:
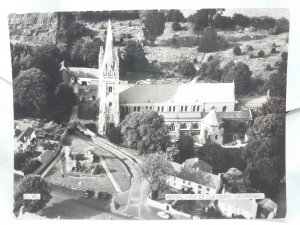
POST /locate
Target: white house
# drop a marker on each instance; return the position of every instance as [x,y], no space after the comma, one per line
[24,139]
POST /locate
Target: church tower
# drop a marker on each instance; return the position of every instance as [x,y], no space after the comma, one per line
[108,91]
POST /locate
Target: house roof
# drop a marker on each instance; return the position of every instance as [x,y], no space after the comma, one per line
[26,134]
[200,177]
[195,163]
[83,72]
[247,205]
[212,118]
[186,94]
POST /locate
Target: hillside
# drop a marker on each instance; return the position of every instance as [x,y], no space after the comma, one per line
[42,28]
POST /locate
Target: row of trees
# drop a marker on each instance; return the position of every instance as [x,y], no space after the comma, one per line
[38,91]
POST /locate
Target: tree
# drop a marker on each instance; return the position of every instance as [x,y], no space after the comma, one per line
[186,147]
[176,26]
[203,17]
[20,159]
[222,22]
[175,15]
[64,100]
[155,169]
[154,25]
[114,135]
[31,184]
[271,125]
[134,57]
[145,131]
[276,84]
[86,53]
[237,50]
[240,20]
[31,93]
[31,166]
[210,41]
[274,105]
[261,54]
[265,163]
[187,69]
[282,26]
[211,70]
[218,158]
[240,74]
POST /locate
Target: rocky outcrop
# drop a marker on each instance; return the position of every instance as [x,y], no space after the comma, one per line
[33,28]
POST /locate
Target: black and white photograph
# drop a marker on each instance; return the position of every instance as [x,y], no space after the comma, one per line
[161,114]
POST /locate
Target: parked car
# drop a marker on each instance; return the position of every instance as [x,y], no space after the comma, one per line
[89,194]
[163,215]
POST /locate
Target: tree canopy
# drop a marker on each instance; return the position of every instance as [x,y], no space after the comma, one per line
[274,105]
[175,15]
[186,148]
[211,42]
[240,74]
[154,25]
[187,69]
[155,169]
[31,184]
[145,131]
[134,57]
[31,93]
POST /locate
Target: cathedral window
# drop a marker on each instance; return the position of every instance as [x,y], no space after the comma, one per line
[109,104]
[194,108]
[181,109]
[162,108]
[185,109]
[173,108]
[110,89]
[195,126]
[139,108]
[224,109]
[172,127]
[170,108]
[198,108]
[134,108]
[183,126]
[158,108]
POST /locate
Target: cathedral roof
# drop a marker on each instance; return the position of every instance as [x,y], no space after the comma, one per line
[84,72]
[185,94]
[212,118]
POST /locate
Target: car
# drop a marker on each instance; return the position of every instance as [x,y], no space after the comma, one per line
[89,193]
[163,215]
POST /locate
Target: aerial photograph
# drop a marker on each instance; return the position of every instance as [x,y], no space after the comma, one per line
[149,114]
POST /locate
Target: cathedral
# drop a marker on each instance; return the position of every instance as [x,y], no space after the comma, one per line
[195,108]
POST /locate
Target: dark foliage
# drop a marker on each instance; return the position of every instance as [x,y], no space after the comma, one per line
[186,147]
[223,22]
[187,69]
[174,15]
[240,20]
[237,50]
[176,26]
[114,135]
[211,42]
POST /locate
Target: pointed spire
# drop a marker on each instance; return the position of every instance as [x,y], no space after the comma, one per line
[212,118]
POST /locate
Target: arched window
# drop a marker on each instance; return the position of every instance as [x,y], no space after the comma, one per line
[195,126]
[139,108]
[172,127]
[162,108]
[213,107]
[127,109]
[110,89]
[185,109]
[224,109]
[173,108]
[122,109]
[146,107]
[158,108]
[183,126]
[198,108]
[134,108]
[109,104]
[170,108]
[150,107]
[194,108]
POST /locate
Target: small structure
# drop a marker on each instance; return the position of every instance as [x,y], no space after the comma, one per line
[24,139]
[267,208]
[198,181]
[238,207]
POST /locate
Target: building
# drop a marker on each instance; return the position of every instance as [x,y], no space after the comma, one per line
[24,139]
[246,208]
[198,181]
[195,108]
[267,208]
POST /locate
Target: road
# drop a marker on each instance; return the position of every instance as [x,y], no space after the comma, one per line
[70,204]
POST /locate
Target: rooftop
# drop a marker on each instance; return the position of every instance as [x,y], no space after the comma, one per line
[187,94]
[212,118]
[26,134]
[195,163]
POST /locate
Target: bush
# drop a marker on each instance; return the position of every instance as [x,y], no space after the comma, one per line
[237,50]
[251,55]
[273,50]
[282,26]
[284,56]
[114,135]
[261,54]
[187,69]
[195,60]
[175,15]
[223,22]
[211,42]
[176,26]
[268,67]
[250,48]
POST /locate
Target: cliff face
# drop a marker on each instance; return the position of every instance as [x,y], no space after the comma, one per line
[33,28]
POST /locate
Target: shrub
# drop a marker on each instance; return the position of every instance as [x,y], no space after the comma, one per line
[176,26]
[251,55]
[175,15]
[273,50]
[237,50]
[250,48]
[187,69]
[268,67]
[261,54]
[211,42]
[284,56]
[282,26]
[195,60]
